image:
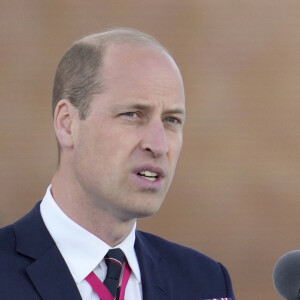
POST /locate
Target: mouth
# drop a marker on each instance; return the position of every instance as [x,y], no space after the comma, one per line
[149,175]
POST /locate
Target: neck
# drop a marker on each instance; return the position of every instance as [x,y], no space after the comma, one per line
[82,210]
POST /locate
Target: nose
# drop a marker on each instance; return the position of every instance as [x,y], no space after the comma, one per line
[154,140]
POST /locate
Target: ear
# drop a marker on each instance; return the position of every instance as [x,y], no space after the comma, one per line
[65,120]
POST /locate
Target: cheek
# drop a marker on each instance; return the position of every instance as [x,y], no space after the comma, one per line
[110,149]
[127,141]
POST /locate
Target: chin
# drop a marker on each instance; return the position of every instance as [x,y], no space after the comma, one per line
[142,213]
[151,210]
[147,213]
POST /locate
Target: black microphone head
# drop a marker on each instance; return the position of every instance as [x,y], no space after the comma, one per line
[286,275]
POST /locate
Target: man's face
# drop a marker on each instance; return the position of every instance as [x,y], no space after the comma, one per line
[126,150]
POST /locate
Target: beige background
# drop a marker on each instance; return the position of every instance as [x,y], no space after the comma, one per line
[237,187]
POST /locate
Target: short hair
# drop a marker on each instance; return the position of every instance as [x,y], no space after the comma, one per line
[78,75]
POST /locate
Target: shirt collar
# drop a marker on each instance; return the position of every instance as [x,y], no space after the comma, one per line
[82,250]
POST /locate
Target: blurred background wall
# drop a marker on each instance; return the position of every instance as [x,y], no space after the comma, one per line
[236,194]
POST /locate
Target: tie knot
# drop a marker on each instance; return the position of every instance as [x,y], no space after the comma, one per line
[115,256]
[114,260]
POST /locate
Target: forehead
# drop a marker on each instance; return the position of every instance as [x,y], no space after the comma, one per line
[147,70]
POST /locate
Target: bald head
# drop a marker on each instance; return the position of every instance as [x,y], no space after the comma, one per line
[78,76]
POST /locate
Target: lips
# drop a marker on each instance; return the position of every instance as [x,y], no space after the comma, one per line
[150,176]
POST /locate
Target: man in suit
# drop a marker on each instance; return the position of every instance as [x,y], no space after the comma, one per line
[118,110]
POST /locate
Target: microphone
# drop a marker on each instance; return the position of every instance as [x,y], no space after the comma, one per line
[286,275]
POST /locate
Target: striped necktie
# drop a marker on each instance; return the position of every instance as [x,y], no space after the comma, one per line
[114,260]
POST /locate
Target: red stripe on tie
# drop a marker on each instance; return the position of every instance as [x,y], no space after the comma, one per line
[114,260]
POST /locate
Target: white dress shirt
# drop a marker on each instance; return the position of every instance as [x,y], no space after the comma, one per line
[84,252]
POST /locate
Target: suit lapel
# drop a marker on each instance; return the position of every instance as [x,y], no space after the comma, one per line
[153,282]
[48,272]
[52,278]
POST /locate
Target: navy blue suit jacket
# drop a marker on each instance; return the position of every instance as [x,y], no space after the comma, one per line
[31,267]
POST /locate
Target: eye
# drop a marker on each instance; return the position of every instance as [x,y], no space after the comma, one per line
[130,114]
[173,120]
